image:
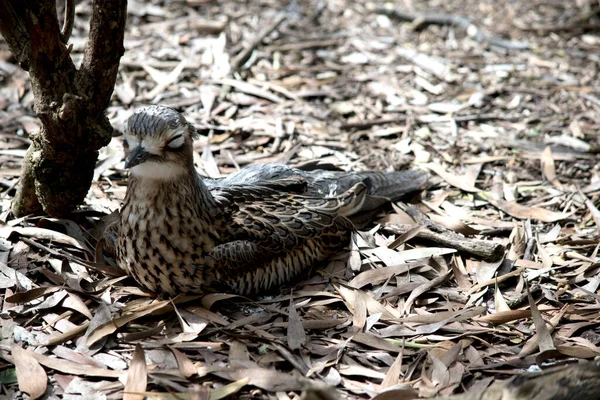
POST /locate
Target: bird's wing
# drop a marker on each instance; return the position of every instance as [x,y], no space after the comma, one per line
[277,220]
[239,253]
[288,184]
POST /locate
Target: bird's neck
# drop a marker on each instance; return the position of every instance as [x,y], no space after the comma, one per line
[187,190]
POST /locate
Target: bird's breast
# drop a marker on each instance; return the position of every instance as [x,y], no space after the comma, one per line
[165,244]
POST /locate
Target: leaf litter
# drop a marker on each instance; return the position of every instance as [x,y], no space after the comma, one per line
[490,270]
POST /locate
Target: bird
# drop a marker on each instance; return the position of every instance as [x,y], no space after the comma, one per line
[250,232]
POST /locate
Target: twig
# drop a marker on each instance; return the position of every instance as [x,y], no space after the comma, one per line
[243,55]
[67,29]
[311,44]
[398,120]
[481,248]
[373,122]
[441,235]
[454,20]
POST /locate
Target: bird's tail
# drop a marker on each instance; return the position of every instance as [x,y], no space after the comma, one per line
[391,185]
[377,189]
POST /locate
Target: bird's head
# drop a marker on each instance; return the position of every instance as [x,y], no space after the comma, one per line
[158,143]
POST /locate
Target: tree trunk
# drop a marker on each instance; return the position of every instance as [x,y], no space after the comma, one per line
[70,103]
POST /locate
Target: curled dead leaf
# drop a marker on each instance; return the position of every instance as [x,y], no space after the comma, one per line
[31,376]
[137,376]
[523,212]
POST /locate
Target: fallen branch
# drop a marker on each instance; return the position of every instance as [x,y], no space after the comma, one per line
[481,248]
[419,19]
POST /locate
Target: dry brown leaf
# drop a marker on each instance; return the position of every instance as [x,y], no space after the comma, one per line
[544,256]
[375,307]
[31,376]
[186,366]
[375,342]
[532,343]
[228,391]
[440,376]
[111,326]
[499,279]
[359,370]
[545,341]
[30,295]
[453,179]
[69,367]
[453,224]
[46,234]
[356,305]
[239,357]
[580,352]
[379,275]
[210,299]
[433,318]
[76,356]
[472,172]
[586,343]
[62,337]
[504,317]
[449,316]
[400,393]
[296,337]
[422,289]
[548,167]
[74,302]
[406,236]
[162,79]
[137,376]
[460,274]
[267,379]
[593,211]
[499,301]
[392,377]
[523,212]
[207,315]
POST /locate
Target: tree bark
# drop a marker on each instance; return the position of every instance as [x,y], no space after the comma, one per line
[70,103]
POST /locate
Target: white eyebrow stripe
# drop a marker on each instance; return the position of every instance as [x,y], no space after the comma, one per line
[132,141]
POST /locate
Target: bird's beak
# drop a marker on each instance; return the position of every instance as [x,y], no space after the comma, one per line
[137,156]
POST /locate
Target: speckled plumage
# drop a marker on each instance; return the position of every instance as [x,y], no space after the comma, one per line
[255,230]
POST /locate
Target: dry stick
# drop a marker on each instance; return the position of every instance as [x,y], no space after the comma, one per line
[441,235]
[243,55]
[401,119]
[454,20]
[481,248]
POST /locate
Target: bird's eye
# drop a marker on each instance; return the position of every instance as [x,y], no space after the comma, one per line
[175,142]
